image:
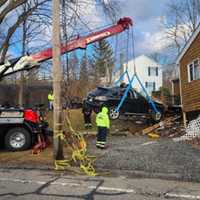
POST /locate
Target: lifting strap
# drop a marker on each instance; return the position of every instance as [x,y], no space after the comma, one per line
[131,79]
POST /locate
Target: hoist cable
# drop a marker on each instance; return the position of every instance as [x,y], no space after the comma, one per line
[133,49]
[127,51]
[115,53]
[116,47]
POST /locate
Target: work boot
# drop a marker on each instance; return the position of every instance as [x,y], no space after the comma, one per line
[86,126]
[99,147]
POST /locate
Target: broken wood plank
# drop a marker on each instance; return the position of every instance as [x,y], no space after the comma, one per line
[167,122]
[151,128]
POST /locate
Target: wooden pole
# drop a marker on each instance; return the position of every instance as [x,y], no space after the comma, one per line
[22,78]
[57,77]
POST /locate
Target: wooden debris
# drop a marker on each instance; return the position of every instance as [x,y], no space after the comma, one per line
[165,123]
[151,128]
[154,135]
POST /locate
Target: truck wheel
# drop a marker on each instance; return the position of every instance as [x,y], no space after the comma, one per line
[17,139]
[113,114]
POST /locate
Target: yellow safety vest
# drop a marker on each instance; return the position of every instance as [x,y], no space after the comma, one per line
[102,119]
[50,97]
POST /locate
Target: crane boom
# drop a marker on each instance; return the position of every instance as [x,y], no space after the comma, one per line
[29,62]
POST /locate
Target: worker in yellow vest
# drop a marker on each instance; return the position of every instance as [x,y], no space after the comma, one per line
[103,125]
[50,99]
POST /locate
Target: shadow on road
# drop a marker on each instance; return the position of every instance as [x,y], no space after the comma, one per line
[88,196]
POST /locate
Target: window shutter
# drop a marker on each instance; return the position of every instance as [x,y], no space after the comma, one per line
[149,74]
[154,86]
[156,71]
[191,72]
[146,84]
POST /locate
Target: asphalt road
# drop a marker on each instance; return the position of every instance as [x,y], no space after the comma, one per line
[48,185]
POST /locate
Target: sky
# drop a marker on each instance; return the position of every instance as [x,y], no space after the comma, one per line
[148,30]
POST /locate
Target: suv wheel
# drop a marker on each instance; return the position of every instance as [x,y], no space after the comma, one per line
[17,139]
[113,114]
[157,116]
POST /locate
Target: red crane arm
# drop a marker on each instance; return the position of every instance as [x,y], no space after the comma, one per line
[82,42]
[29,62]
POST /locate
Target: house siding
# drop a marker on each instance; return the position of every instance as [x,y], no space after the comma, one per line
[190,90]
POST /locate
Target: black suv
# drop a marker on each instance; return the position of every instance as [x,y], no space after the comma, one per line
[134,104]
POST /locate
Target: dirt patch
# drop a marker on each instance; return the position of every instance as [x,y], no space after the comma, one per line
[26,158]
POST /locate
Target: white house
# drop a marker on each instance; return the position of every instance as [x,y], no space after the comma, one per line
[148,71]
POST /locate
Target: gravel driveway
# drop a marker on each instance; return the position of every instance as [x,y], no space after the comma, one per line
[139,153]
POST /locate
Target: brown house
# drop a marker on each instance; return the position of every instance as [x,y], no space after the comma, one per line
[189,65]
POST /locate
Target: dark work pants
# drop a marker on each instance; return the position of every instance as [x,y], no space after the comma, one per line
[87,119]
[101,137]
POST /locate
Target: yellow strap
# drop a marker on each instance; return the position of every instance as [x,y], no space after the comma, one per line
[59,134]
[89,170]
[79,151]
[61,164]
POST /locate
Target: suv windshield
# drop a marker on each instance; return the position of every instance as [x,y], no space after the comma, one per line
[100,91]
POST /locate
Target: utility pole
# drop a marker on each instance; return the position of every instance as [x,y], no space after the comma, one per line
[57,78]
[22,78]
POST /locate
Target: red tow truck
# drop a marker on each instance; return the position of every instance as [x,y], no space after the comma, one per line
[21,128]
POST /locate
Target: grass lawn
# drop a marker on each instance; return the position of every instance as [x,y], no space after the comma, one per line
[46,156]
[76,118]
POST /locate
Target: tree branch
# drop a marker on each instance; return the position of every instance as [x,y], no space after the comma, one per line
[2,2]
[11,6]
[12,29]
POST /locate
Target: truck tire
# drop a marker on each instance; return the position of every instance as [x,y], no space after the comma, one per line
[17,139]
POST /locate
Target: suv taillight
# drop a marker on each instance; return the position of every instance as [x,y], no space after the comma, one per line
[30,115]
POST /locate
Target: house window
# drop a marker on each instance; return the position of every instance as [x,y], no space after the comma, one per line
[194,70]
[152,71]
[150,86]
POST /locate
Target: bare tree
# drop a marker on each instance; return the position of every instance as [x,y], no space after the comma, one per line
[8,6]
[183,17]
[13,10]
[111,8]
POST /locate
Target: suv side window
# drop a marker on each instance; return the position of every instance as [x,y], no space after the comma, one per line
[135,95]
[139,96]
[132,95]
